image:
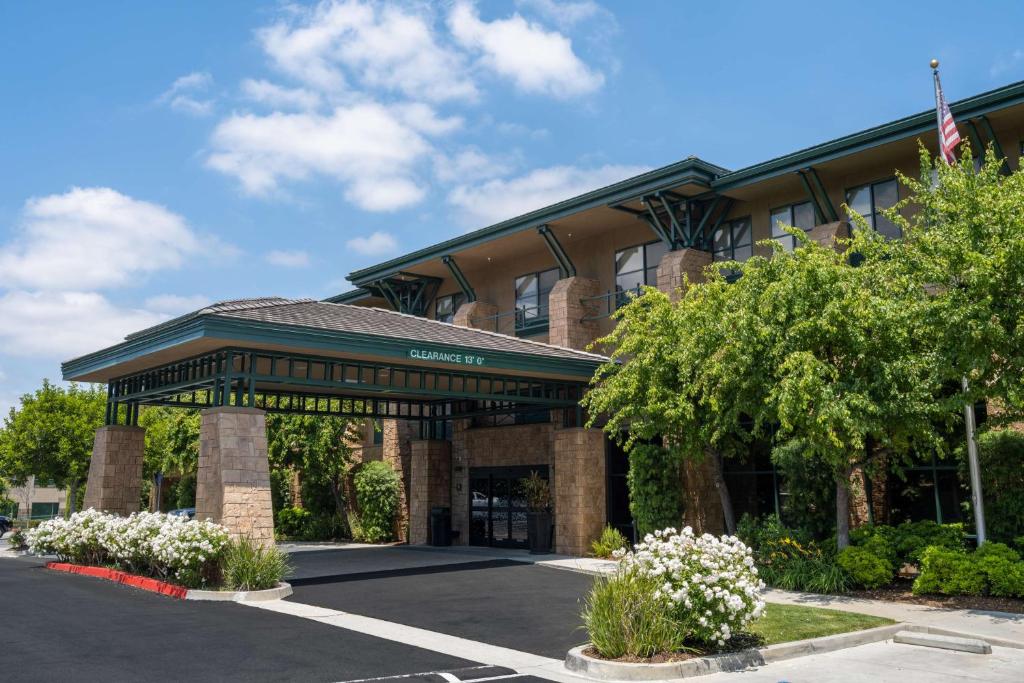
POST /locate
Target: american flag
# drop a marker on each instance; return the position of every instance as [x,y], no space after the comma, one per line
[949,136]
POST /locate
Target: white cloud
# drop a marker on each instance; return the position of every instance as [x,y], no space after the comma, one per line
[381,45]
[185,94]
[377,244]
[287,259]
[175,304]
[495,200]
[65,324]
[565,14]
[275,95]
[470,165]
[535,59]
[371,149]
[511,128]
[93,237]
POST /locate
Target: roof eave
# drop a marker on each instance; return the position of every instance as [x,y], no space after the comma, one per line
[690,170]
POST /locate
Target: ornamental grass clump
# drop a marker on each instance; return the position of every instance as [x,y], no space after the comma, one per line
[251,566]
[706,587]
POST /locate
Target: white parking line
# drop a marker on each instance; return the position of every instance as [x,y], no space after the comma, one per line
[523,662]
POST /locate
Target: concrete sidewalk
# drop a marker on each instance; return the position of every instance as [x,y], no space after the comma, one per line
[998,626]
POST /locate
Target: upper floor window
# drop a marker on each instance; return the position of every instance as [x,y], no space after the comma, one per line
[635,266]
[796,216]
[532,292]
[446,306]
[733,241]
[868,200]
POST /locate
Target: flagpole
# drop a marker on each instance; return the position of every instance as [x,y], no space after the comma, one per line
[970,424]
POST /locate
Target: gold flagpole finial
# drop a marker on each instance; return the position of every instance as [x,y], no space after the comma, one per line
[935,64]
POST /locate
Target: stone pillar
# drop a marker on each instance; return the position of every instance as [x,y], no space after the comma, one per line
[397,452]
[566,311]
[233,480]
[827,234]
[429,485]
[115,471]
[678,266]
[461,509]
[474,310]
[580,489]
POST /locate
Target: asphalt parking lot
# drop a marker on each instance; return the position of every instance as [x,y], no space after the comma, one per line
[502,602]
[56,627]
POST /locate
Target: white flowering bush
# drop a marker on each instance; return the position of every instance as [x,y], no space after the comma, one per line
[167,546]
[710,584]
[674,591]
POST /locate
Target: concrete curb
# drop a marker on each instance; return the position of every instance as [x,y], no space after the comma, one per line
[997,642]
[604,670]
[957,644]
[283,590]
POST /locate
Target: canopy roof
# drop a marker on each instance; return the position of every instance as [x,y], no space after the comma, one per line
[277,353]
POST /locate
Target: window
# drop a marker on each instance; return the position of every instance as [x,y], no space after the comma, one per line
[867,200]
[446,306]
[795,215]
[733,241]
[532,300]
[637,266]
[44,510]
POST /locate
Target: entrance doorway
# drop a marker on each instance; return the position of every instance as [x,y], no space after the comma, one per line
[497,505]
[619,516]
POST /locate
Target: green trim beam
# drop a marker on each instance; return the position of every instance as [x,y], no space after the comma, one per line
[832,214]
[565,264]
[459,277]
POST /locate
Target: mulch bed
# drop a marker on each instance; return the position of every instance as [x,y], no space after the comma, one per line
[900,592]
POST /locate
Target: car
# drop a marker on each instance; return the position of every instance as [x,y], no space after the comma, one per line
[183,512]
[6,523]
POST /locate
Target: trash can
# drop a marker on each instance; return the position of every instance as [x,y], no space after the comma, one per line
[440,526]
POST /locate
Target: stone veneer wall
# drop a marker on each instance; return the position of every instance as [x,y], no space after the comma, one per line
[397,452]
[233,479]
[475,309]
[678,266]
[580,489]
[430,485]
[512,446]
[566,312]
[115,470]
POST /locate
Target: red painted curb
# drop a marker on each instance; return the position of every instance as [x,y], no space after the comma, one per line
[116,575]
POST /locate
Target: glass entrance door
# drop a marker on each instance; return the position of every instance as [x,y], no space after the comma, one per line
[498,505]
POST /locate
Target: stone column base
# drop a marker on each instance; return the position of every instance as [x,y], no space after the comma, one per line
[233,481]
[476,314]
[567,310]
[430,485]
[679,267]
[580,489]
[115,471]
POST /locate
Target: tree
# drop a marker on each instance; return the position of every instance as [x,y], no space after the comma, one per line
[965,245]
[802,347]
[319,446]
[172,447]
[50,436]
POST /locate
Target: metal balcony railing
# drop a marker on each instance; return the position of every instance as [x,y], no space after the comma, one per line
[523,321]
[606,304]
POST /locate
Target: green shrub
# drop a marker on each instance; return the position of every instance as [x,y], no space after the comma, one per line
[788,559]
[1001,457]
[251,566]
[623,617]
[993,569]
[377,491]
[810,505]
[904,544]
[655,496]
[16,541]
[292,522]
[865,567]
[610,541]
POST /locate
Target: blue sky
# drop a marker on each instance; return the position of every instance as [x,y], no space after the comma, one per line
[158,156]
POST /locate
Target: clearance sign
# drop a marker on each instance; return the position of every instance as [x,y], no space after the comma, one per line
[453,357]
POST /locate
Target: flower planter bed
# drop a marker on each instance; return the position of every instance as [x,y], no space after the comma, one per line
[124,578]
[146,583]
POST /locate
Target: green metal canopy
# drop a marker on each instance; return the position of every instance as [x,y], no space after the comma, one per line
[305,356]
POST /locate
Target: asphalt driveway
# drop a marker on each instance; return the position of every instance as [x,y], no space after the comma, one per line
[58,627]
[501,602]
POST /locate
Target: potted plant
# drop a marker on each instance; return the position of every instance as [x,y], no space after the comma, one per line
[538,516]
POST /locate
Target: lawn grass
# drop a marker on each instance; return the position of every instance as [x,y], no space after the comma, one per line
[783,623]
